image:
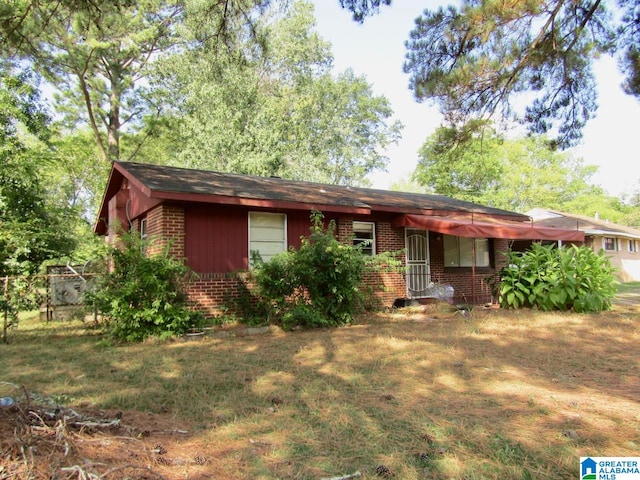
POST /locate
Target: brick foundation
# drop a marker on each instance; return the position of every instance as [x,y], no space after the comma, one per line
[214,293]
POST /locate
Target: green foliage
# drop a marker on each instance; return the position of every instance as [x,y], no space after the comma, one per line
[475,163]
[143,295]
[551,278]
[76,169]
[18,294]
[318,285]
[476,60]
[629,46]
[363,8]
[97,55]
[281,113]
[33,228]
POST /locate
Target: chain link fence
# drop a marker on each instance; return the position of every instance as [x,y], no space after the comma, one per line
[57,295]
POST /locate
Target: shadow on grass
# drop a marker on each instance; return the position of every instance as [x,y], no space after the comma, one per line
[509,395]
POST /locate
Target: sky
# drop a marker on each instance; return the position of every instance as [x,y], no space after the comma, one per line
[376,50]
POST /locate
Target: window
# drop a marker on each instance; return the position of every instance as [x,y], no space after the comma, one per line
[458,251]
[610,244]
[364,234]
[143,228]
[267,234]
[633,246]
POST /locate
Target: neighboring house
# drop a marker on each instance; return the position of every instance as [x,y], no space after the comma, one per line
[620,243]
[214,220]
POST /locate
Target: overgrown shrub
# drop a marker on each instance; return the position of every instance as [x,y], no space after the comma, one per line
[18,294]
[551,278]
[318,285]
[143,295]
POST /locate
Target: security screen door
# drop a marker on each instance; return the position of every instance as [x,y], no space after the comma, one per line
[418,268]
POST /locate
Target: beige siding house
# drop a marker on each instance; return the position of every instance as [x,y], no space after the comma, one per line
[619,242]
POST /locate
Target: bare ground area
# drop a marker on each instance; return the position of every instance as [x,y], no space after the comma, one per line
[423,393]
[40,442]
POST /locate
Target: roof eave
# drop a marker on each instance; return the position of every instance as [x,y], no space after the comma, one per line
[258,202]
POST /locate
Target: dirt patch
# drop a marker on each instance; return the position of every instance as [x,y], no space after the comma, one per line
[37,440]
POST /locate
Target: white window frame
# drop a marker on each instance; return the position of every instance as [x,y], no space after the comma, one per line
[254,244]
[143,228]
[632,246]
[462,252]
[370,243]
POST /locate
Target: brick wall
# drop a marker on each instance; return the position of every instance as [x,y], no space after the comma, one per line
[388,286]
[465,288]
[345,229]
[214,293]
[165,226]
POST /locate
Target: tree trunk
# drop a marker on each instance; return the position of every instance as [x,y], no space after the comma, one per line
[113,128]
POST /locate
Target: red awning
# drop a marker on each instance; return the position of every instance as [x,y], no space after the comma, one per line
[470,228]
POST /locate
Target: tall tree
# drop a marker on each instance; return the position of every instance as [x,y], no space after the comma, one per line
[96,57]
[482,58]
[97,53]
[32,229]
[629,45]
[282,112]
[477,164]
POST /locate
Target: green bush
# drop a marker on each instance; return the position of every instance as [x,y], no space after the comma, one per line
[551,278]
[143,295]
[18,294]
[318,285]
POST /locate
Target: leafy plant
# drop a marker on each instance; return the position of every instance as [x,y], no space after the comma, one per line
[551,278]
[16,294]
[318,285]
[143,296]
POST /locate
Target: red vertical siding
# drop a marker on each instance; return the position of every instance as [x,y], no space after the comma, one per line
[216,239]
[298,225]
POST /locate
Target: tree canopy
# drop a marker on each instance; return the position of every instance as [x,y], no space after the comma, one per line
[96,55]
[281,112]
[32,227]
[477,164]
[483,59]
[363,8]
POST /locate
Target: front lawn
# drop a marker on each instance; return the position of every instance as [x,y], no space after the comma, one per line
[422,394]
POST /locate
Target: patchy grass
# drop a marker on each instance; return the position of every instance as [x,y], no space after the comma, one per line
[628,292]
[427,393]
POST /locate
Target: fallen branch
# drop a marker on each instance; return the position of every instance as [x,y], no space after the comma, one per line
[84,475]
[344,477]
[93,424]
[133,467]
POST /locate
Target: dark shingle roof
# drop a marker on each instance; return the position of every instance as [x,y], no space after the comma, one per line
[589,225]
[158,179]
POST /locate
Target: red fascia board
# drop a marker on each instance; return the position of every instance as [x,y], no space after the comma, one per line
[111,188]
[256,202]
[133,180]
